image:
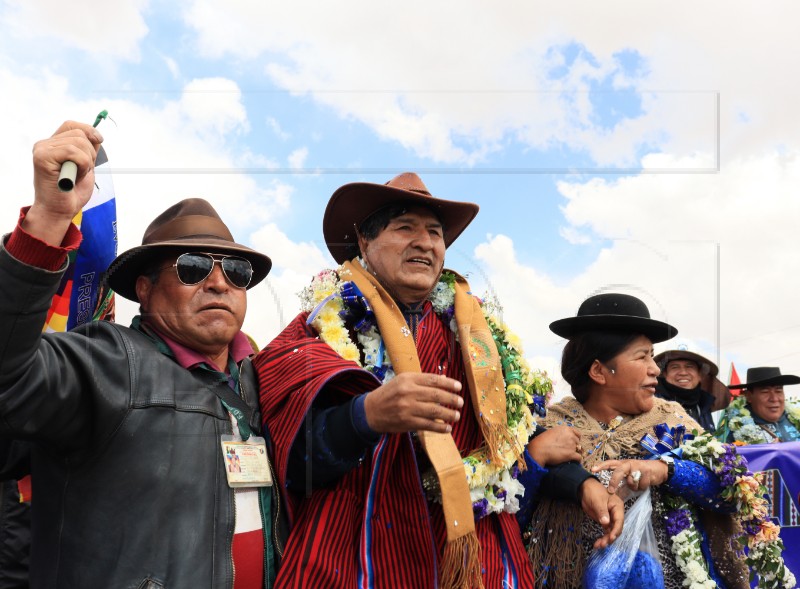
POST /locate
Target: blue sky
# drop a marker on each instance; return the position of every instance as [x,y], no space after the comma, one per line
[613,147]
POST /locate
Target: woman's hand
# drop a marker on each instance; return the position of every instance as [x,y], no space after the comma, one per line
[556,445]
[607,510]
[637,474]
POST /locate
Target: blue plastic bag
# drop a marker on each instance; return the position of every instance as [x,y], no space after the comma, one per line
[632,561]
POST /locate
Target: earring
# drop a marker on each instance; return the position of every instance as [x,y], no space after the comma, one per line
[613,371]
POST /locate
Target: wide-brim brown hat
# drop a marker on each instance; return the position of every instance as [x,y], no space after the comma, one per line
[708,375]
[192,225]
[614,312]
[766,376]
[707,367]
[351,204]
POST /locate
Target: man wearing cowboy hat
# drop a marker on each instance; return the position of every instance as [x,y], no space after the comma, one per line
[691,380]
[764,418]
[377,392]
[129,425]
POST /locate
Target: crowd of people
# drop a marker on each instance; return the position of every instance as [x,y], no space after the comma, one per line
[392,435]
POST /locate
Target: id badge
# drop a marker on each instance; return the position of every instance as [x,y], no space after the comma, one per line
[246,462]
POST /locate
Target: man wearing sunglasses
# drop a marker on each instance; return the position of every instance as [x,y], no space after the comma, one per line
[131,426]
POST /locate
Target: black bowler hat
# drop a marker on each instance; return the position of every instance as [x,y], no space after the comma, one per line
[764,376]
[614,312]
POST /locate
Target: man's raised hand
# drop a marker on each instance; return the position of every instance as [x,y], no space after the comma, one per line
[52,211]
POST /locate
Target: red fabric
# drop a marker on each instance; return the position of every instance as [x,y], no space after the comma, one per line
[335,533]
[33,251]
[24,488]
[60,305]
[248,559]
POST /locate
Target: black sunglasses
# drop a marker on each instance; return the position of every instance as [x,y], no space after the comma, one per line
[193,268]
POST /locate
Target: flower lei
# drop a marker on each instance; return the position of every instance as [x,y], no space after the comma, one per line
[741,488]
[494,488]
[740,422]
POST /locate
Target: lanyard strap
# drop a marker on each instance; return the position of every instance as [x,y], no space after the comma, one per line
[231,400]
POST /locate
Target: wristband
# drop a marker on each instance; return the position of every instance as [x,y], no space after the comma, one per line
[670,462]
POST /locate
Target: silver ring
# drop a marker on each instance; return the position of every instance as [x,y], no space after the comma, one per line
[636,475]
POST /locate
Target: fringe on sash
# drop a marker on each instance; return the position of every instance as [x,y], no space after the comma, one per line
[461,564]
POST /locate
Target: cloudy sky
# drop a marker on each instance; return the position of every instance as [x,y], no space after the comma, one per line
[618,146]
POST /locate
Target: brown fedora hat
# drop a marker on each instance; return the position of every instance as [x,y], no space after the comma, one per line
[708,374]
[766,376]
[353,203]
[706,366]
[190,225]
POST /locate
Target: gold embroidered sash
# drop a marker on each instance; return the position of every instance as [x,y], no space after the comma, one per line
[461,563]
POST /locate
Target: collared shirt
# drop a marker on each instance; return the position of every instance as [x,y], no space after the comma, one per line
[239,349]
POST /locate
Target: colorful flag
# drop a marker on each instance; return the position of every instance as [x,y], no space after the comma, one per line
[733,378]
[24,489]
[81,296]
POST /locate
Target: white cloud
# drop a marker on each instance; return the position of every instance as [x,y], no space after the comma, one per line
[272,306]
[275,126]
[574,236]
[172,66]
[297,158]
[214,105]
[111,30]
[454,81]
[306,258]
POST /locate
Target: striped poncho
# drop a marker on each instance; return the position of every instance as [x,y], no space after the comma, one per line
[374,527]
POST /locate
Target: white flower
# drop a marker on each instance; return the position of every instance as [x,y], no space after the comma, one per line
[476,494]
[689,558]
[750,433]
[442,297]
[514,490]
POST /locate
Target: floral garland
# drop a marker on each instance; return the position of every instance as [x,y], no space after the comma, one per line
[494,488]
[739,421]
[741,488]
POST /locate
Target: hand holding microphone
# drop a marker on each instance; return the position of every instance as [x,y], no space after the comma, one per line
[53,209]
[69,169]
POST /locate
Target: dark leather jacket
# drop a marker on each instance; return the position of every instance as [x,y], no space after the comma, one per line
[15,516]
[127,467]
